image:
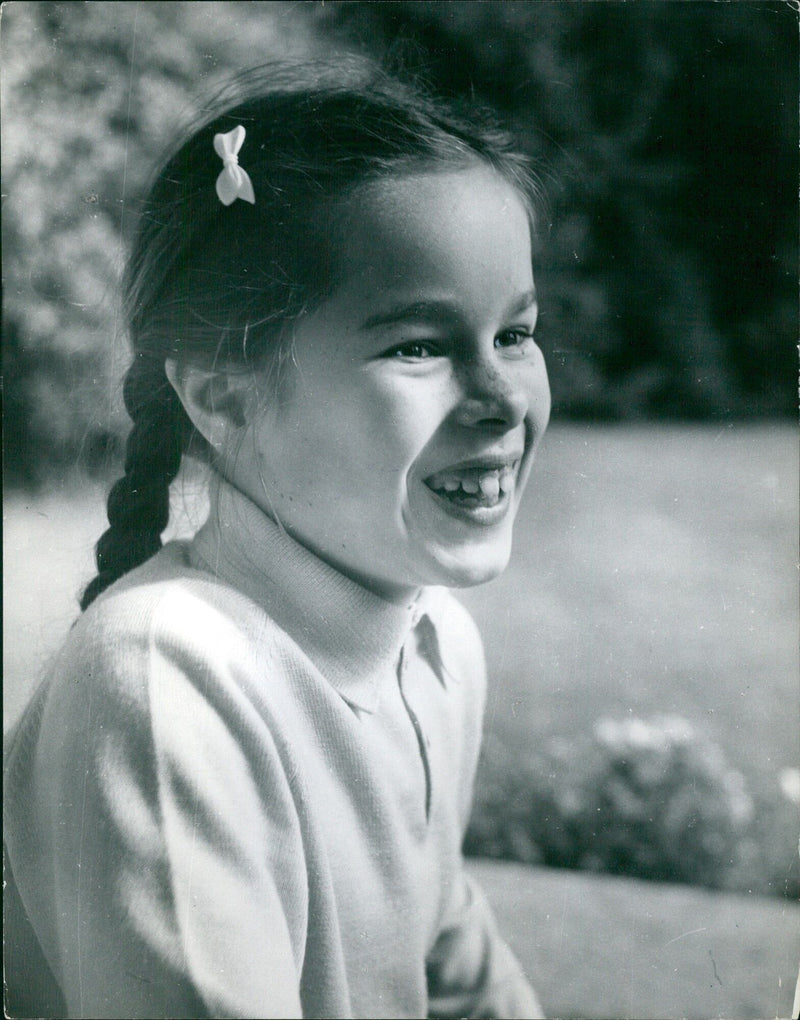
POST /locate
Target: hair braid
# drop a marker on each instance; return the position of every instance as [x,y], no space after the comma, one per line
[138,503]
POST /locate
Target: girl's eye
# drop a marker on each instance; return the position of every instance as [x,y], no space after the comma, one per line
[416,350]
[517,341]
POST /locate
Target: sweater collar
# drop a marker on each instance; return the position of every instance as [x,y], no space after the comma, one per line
[352,636]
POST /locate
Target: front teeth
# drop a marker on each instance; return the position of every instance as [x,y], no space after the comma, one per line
[489,484]
[507,479]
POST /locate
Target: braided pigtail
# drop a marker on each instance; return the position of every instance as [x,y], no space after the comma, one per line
[138,504]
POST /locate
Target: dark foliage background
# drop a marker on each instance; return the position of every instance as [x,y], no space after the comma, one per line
[666,133]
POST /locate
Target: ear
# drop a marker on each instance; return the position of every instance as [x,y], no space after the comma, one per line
[215,400]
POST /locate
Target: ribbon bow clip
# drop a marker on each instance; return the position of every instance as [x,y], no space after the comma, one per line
[233,182]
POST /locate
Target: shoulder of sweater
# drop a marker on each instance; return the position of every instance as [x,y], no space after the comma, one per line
[166,592]
[164,645]
[169,611]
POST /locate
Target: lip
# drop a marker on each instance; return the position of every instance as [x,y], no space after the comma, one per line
[488,462]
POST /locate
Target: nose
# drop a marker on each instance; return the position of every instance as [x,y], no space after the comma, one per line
[492,398]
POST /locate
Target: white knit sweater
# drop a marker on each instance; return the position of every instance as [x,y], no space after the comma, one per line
[242,789]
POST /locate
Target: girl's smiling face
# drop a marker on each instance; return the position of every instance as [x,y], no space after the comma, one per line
[399,448]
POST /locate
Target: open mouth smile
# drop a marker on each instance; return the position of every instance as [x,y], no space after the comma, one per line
[478,487]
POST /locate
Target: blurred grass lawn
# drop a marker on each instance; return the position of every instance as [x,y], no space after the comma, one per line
[601,947]
[654,571]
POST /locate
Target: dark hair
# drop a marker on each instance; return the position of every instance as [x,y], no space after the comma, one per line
[224,284]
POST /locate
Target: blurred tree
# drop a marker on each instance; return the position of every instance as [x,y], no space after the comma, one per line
[666,133]
[92,93]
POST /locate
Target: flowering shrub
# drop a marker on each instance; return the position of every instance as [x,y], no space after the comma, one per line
[666,803]
[650,799]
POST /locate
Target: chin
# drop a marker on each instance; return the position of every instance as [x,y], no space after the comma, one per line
[472,568]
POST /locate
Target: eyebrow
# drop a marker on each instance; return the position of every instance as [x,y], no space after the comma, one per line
[443,311]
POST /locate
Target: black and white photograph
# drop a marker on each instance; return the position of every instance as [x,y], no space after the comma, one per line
[401,509]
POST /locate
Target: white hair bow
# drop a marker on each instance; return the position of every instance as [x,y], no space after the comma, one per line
[233,182]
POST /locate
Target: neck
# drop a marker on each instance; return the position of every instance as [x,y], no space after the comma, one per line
[397,594]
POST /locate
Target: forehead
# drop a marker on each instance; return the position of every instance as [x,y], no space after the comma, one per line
[462,236]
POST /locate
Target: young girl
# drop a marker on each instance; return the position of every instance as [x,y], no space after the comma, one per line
[243,788]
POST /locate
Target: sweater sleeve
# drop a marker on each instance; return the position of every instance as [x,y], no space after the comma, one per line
[471,972]
[169,829]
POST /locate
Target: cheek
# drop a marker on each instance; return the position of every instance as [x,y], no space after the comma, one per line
[345,452]
[543,406]
[363,437]
[539,401]
[400,417]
